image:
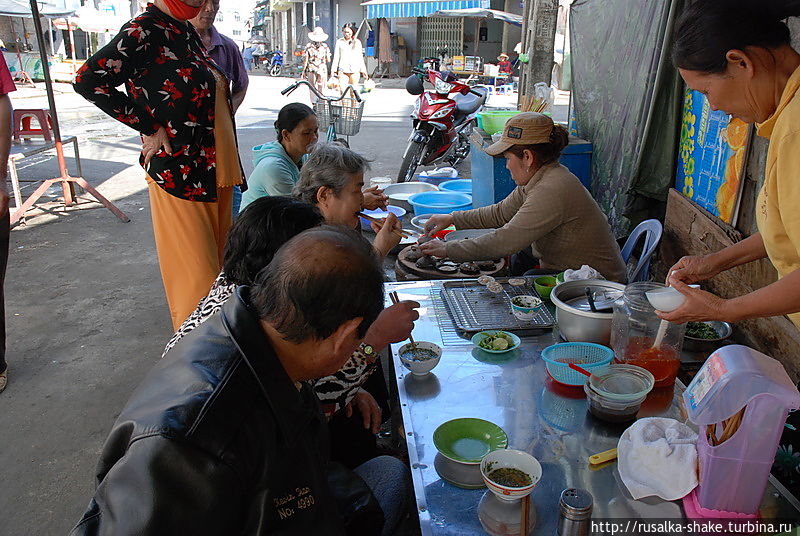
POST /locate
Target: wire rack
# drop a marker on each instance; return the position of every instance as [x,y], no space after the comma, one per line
[323,110]
[473,307]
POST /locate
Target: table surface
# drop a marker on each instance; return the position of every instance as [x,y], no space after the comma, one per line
[513,391]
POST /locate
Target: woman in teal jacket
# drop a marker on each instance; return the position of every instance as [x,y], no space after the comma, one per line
[277,163]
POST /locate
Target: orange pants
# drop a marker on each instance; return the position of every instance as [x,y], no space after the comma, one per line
[190,237]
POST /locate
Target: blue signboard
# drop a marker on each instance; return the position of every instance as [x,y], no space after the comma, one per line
[711,157]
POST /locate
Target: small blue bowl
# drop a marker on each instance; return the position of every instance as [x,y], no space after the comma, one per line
[439,202]
[380,214]
[463,186]
[478,337]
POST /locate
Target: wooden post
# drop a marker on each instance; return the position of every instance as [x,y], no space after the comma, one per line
[538,36]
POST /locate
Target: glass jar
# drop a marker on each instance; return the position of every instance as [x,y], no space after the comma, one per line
[634,329]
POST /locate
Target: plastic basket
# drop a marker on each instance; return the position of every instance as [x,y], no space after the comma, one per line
[586,354]
[348,116]
[494,121]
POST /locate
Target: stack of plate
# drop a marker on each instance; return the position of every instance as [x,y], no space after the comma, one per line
[462,444]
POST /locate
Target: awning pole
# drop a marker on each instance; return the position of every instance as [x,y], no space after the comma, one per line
[67,182]
[477,35]
[50,35]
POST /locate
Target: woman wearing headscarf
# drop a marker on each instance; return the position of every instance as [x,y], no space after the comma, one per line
[178,99]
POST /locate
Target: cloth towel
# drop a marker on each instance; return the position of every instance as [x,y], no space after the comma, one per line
[585,272]
[657,456]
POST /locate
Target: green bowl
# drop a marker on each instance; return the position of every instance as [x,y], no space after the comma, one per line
[478,337]
[560,277]
[468,440]
[544,285]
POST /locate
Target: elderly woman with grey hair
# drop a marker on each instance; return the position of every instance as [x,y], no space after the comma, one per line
[332,180]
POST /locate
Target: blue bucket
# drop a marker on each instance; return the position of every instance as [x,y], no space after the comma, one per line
[462,186]
[439,202]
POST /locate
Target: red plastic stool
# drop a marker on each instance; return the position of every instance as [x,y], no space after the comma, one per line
[22,123]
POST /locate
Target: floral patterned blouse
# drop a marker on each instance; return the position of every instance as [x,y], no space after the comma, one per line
[169,82]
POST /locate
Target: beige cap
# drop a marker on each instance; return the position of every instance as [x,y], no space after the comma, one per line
[526,128]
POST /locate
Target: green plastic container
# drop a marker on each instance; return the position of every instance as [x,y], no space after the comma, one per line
[494,121]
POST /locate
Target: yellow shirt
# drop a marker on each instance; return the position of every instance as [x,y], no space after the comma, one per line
[778,205]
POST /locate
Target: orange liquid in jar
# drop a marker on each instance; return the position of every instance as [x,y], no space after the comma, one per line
[663,362]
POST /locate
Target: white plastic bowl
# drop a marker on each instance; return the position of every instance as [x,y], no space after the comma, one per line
[515,459]
[420,368]
[666,299]
[530,308]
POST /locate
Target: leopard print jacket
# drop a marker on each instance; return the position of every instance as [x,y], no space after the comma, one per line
[334,391]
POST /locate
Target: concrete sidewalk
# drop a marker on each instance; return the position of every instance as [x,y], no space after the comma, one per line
[86,310]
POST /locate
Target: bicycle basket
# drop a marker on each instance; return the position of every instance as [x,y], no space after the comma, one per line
[348,120]
[323,110]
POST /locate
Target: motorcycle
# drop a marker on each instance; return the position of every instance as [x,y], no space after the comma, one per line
[441,124]
[273,62]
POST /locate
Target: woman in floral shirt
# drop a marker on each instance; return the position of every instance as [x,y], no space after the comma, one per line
[177,99]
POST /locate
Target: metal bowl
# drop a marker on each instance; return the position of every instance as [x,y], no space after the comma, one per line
[418,222]
[578,325]
[724,330]
[399,193]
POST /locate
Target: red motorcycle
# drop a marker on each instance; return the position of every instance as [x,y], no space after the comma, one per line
[441,124]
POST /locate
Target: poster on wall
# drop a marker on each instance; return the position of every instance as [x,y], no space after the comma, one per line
[711,157]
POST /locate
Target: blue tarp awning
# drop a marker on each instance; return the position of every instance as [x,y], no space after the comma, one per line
[394,9]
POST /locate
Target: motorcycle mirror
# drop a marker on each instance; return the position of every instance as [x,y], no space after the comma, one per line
[414,85]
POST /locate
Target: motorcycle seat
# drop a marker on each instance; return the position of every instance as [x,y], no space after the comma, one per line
[469,103]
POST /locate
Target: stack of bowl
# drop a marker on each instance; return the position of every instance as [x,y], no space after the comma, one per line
[462,445]
[399,193]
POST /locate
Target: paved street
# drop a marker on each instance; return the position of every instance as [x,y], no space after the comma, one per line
[86,310]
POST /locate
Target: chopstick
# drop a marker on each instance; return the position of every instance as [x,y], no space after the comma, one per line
[396,300]
[401,234]
[526,502]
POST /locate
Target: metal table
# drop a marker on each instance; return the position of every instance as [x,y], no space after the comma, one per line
[513,391]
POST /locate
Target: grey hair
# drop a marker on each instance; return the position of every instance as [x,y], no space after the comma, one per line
[330,165]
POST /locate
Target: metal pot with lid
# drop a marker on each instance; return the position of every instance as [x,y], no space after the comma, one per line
[584,309]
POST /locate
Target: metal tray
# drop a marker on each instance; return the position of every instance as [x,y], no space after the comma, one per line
[474,308]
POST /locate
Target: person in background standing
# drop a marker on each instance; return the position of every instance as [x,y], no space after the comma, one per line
[317,57]
[178,99]
[348,59]
[247,56]
[6,87]
[225,53]
[503,63]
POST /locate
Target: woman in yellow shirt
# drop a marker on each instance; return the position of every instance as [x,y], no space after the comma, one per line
[738,54]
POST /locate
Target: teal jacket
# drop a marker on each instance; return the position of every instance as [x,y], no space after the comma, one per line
[274,174]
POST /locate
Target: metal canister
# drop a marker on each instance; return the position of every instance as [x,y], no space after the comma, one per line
[575,512]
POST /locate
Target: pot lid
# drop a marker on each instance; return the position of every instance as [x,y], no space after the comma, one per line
[602,297]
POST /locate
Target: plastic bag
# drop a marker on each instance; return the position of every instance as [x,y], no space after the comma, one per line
[369,85]
[333,82]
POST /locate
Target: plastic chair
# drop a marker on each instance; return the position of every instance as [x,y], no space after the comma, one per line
[651,229]
[22,123]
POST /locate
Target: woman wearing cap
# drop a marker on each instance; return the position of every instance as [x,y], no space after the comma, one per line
[550,211]
[317,57]
[348,59]
[738,54]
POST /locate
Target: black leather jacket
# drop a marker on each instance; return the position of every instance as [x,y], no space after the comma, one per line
[218,440]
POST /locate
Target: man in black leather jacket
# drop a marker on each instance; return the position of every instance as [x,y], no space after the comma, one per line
[223,436]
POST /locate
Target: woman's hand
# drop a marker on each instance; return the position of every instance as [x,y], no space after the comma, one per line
[438,222]
[692,269]
[151,145]
[437,248]
[698,307]
[385,238]
[369,409]
[374,198]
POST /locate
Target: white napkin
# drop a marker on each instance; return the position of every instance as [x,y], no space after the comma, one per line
[657,456]
[585,272]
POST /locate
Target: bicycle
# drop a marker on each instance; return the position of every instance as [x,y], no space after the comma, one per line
[334,115]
